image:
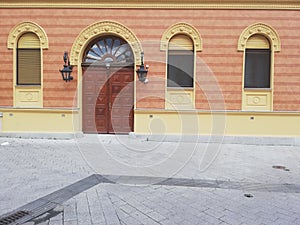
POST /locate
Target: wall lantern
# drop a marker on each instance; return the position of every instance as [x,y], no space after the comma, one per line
[142,72]
[67,70]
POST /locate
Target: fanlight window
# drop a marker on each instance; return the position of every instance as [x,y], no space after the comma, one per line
[109,49]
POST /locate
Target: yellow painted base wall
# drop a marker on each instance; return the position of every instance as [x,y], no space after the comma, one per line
[217,123]
[38,120]
[149,122]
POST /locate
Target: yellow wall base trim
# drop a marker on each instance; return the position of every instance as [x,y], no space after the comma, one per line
[236,123]
[42,135]
[150,122]
[38,120]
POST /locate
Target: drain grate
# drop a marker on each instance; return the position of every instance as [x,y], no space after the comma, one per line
[280,168]
[46,205]
[13,217]
[49,202]
[248,195]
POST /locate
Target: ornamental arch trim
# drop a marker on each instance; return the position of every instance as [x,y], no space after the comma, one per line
[104,28]
[181,28]
[262,29]
[26,27]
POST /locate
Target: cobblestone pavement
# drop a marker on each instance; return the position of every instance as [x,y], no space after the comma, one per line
[207,182]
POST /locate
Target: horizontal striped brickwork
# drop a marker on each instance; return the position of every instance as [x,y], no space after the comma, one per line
[219,65]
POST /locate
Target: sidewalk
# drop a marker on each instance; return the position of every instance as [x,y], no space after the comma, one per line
[151,182]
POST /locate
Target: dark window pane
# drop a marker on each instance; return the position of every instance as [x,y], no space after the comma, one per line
[180,69]
[257,68]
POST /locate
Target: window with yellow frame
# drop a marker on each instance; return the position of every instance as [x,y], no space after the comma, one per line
[259,42]
[28,60]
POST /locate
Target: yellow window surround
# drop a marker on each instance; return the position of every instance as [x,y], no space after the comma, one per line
[179,29]
[181,37]
[259,36]
[27,35]
[262,29]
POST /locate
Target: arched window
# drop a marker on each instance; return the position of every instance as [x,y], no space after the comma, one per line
[257,72]
[28,40]
[259,42]
[181,41]
[180,70]
[109,49]
[28,60]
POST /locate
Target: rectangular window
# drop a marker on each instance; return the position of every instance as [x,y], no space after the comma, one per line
[257,68]
[180,69]
[28,66]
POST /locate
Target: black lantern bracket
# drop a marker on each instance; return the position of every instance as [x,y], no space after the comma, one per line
[67,69]
[143,70]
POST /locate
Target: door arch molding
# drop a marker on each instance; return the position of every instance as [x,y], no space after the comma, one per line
[103,28]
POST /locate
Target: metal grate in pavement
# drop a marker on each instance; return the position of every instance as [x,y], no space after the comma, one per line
[51,201]
[13,217]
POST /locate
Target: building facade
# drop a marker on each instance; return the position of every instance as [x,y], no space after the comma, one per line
[228,67]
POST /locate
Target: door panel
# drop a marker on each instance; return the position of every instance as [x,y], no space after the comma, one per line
[93,99]
[121,86]
[107,100]
[102,110]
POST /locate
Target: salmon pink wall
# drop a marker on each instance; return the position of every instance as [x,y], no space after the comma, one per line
[218,63]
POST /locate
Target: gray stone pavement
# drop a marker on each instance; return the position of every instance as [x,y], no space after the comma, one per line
[152,182]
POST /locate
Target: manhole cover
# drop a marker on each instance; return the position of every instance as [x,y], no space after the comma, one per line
[13,217]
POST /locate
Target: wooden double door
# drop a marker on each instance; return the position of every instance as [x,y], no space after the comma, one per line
[107,99]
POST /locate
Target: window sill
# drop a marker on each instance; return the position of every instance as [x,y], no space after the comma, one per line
[28,86]
[257,89]
[180,88]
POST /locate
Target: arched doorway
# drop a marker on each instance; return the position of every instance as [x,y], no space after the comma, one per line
[107,86]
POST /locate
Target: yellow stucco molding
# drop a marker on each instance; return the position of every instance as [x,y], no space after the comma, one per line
[40,110]
[181,28]
[263,29]
[148,111]
[28,96]
[104,28]
[224,4]
[25,27]
[257,100]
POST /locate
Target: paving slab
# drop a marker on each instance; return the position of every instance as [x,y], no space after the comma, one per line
[126,179]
